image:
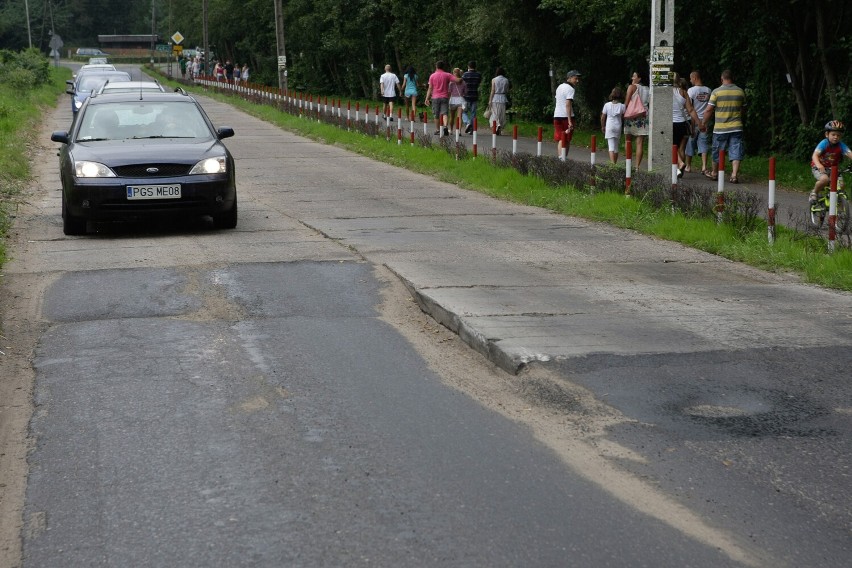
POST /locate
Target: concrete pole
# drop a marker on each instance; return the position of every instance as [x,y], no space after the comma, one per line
[662,61]
[205,39]
[282,53]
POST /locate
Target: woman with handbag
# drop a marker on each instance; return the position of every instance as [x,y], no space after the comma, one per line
[636,113]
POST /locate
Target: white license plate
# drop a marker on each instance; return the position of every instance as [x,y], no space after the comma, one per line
[153,191]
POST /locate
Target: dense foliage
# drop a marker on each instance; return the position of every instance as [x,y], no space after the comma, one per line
[792,56]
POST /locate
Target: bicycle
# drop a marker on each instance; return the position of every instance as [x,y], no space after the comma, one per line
[819,209]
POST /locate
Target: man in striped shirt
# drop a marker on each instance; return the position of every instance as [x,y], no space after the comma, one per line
[726,105]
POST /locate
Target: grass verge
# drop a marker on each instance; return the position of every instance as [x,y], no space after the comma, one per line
[20,113]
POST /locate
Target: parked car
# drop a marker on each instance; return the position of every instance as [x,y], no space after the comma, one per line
[91,52]
[90,81]
[141,154]
[112,87]
[95,67]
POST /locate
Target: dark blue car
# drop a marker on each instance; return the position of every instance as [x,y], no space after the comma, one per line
[88,82]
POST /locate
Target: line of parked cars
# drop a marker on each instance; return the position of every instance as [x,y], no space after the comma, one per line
[135,150]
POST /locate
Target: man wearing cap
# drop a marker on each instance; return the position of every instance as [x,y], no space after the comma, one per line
[563,113]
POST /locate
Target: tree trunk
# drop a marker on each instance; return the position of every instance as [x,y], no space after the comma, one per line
[823,43]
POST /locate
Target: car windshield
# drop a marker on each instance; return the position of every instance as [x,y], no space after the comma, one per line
[143,120]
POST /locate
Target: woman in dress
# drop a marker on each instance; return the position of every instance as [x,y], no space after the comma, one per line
[637,128]
[498,98]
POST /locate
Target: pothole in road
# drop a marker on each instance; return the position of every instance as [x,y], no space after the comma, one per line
[711,411]
[752,412]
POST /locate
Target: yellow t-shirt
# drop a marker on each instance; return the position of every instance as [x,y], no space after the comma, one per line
[728,102]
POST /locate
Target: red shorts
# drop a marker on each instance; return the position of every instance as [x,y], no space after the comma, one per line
[560,126]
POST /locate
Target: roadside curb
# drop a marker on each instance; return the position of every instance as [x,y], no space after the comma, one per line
[486,346]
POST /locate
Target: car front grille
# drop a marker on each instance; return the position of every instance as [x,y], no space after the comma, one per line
[141,170]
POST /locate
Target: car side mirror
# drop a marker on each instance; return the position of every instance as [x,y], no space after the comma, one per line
[59,136]
[224,132]
[69,91]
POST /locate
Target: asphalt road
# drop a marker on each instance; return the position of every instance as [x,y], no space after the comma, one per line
[270,396]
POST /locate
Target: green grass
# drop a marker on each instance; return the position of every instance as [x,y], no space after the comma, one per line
[792,252]
[20,113]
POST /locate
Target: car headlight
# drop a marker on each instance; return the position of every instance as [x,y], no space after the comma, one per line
[210,166]
[85,169]
[78,104]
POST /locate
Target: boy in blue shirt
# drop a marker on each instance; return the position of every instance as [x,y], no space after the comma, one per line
[829,152]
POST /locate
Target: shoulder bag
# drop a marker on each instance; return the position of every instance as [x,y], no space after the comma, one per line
[635,108]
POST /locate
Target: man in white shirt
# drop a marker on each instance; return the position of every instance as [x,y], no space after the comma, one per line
[389,84]
[700,96]
[563,113]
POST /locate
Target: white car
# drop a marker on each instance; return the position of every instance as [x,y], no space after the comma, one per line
[111,87]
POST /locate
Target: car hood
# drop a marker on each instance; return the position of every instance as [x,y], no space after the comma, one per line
[161,150]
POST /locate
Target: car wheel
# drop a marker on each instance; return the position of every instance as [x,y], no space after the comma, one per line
[228,219]
[72,225]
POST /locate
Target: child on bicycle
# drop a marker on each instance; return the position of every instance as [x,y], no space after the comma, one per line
[829,152]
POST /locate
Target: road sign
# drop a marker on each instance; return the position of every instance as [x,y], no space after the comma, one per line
[163,47]
[177,38]
[177,49]
[282,61]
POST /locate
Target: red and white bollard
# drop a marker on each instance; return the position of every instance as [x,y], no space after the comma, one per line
[720,188]
[458,128]
[425,124]
[674,176]
[514,139]
[628,166]
[770,213]
[349,115]
[593,159]
[538,143]
[494,139]
[399,127]
[357,112]
[475,126]
[832,210]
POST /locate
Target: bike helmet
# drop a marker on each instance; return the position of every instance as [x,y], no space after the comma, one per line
[834,126]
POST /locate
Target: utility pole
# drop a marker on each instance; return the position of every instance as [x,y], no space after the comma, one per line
[153,26]
[206,58]
[282,54]
[662,61]
[29,32]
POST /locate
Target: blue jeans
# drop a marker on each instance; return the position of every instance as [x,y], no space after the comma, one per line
[732,143]
[469,113]
[701,141]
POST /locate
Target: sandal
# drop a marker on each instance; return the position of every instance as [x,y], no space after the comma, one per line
[709,175]
[734,179]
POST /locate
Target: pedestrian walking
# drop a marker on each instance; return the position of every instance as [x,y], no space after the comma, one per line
[498,99]
[439,94]
[699,94]
[726,107]
[389,84]
[636,127]
[457,102]
[563,112]
[611,122]
[472,79]
[409,90]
